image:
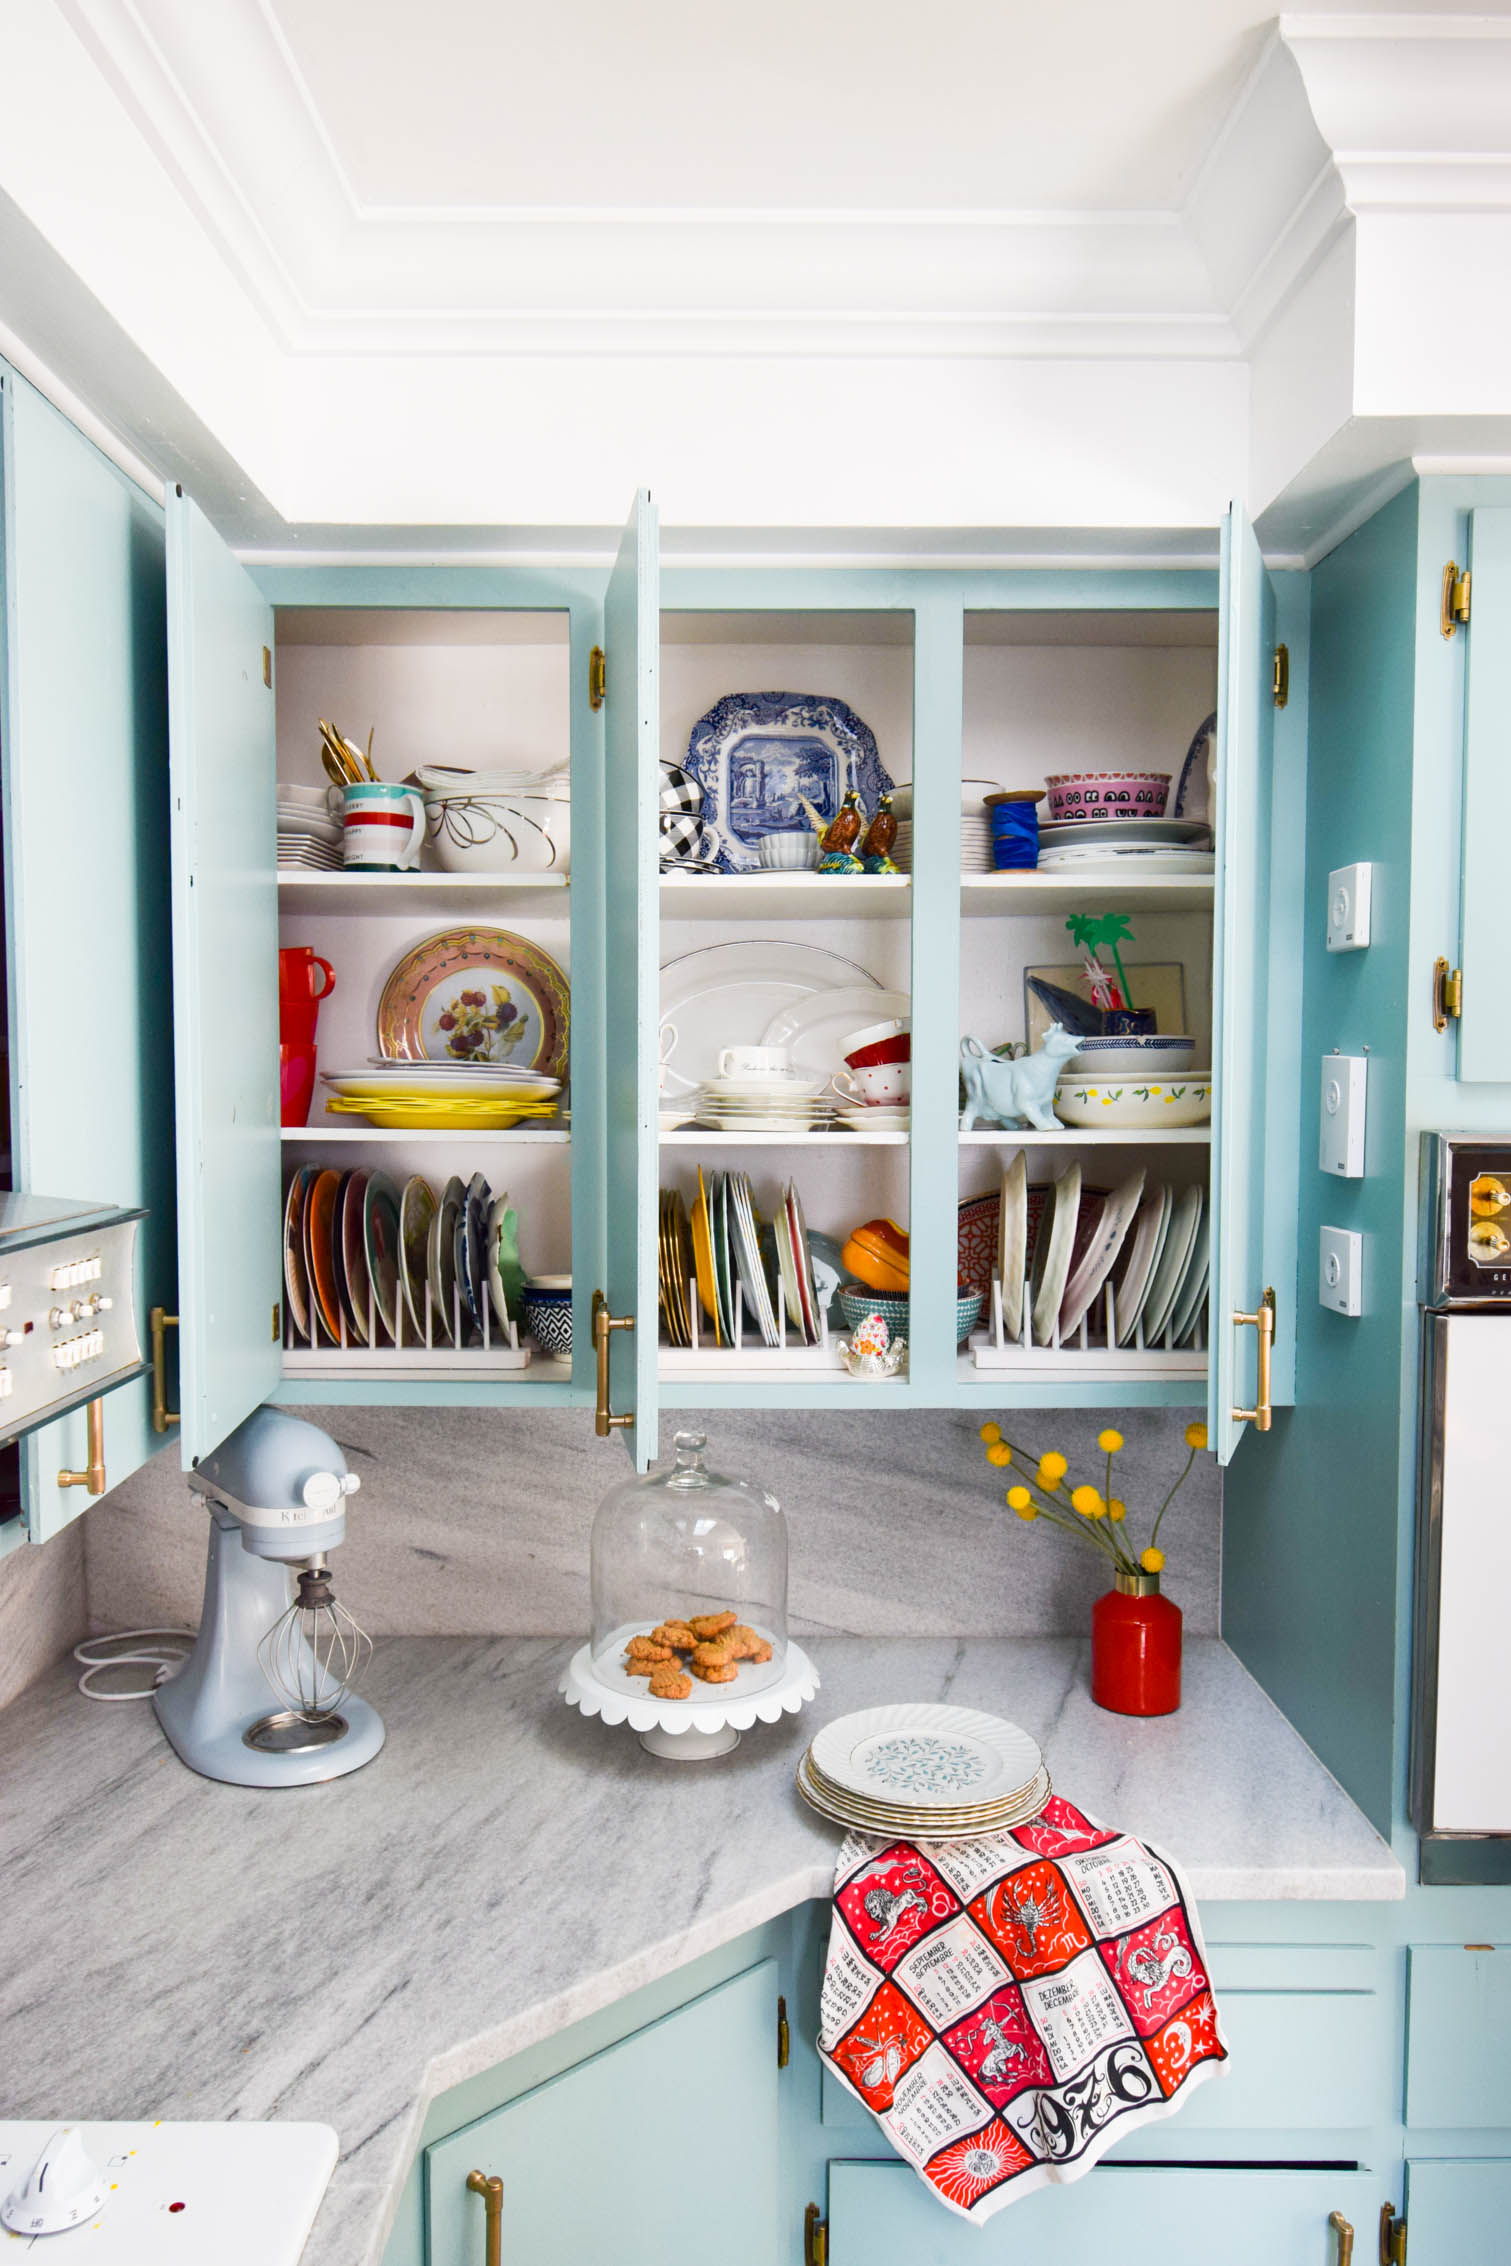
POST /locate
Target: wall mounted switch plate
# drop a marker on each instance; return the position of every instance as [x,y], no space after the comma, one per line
[1340,1285]
[1341,1150]
[1348,895]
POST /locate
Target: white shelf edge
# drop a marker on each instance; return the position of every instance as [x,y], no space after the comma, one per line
[1080,1137]
[702,1137]
[785,896]
[1039,892]
[296,1136]
[400,884]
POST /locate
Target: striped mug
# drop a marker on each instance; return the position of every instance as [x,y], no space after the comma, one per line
[382,827]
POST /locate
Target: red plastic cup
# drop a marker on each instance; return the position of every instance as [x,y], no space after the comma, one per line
[296,1083]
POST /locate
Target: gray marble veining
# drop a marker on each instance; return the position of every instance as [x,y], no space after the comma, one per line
[347,1952]
[476,1521]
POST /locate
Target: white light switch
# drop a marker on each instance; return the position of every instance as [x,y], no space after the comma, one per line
[1341,1149]
[1340,1281]
[1348,894]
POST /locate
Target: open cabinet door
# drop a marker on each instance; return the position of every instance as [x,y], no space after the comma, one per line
[85,796]
[1240,993]
[225,992]
[632,634]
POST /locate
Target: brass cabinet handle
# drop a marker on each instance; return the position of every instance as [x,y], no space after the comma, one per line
[1262,1320]
[93,1474]
[492,2193]
[1392,2237]
[1345,2234]
[162,1414]
[603,1321]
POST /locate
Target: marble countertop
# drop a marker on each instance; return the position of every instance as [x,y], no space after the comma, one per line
[346,1952]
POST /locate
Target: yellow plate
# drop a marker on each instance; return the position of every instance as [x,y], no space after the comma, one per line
[437,1117]
[703,1258]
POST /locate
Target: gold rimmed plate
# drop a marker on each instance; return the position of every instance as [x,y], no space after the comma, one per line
[930,1828]
[1026,1802]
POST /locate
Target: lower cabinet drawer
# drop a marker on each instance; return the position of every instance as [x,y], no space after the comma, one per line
[881,2215]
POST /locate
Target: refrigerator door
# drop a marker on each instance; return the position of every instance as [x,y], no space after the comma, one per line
[1462,1760]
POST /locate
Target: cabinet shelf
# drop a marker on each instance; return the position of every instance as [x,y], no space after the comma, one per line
[1051,892]
[703,1137]
[431,895]
[1080,1137]
[786,896]
[364,1136]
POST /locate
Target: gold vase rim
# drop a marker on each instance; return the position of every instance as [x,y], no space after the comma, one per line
[1136,1585]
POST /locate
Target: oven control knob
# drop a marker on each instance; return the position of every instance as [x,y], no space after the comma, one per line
[60,1317]
[12,1337]
[64,2188]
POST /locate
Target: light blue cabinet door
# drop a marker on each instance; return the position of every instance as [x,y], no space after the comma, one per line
[881,2214]
[662,2147]
[1458,2212]
[1485,1027]
[1246,717]
[632,633]
[225,981]
[85,742]
[1458,2068]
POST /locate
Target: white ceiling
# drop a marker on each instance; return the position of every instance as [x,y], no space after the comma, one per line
[988,105]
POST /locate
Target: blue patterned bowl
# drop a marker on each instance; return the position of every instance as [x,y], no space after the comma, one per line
[855,1302]
[967,1313]
[548,1318]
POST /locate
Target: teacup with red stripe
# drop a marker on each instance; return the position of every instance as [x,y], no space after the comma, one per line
[382,827]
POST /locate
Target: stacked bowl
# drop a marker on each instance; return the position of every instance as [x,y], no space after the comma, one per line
[507,821]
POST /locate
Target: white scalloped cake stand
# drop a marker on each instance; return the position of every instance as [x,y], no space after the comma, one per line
[691,1730]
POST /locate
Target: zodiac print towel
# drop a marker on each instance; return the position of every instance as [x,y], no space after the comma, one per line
[1007,2008]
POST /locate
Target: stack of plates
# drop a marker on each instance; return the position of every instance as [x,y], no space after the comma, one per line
[874,1117]
[1150,1241]
[1133,845]
[367,1262]
[676,1268]
[736,1258]
[941,1773]
[771,1105]
[443,1096]
[975,844]
[307,841]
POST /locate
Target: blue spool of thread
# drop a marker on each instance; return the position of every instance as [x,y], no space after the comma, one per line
[1015,835]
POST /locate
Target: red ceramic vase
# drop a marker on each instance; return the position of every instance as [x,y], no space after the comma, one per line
[1135,1648]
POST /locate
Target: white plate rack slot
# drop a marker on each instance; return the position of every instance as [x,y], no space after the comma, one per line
[749,1355]
[496,1350]
[1092,1349]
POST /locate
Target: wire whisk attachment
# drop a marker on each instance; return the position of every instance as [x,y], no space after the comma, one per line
[315,1653]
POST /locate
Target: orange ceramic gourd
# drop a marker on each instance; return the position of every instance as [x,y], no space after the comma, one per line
[877,1255]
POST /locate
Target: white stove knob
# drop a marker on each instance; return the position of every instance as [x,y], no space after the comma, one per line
[64,2187]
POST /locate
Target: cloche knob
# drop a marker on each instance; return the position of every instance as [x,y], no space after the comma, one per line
[64,2187]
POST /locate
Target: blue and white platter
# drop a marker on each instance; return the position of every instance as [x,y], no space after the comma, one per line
[755,753]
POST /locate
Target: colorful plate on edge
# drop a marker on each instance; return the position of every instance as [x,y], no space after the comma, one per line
[353,1276]
[417,1208]
[441,1258]
[477,995]
[321,1212]
[380,1236]
[296,1273]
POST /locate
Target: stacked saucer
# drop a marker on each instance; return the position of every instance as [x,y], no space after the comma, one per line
[933,1772]
[308,835]
[873,1117]
[975,843]
[761,1105]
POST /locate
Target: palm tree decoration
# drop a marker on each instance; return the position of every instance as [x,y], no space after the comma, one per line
[1088,931]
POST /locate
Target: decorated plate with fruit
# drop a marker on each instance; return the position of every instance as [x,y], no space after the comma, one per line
[477,996]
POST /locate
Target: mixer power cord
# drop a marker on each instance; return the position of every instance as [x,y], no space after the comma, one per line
[162,1650]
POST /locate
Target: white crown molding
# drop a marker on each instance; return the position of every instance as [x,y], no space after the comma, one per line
[1415,109]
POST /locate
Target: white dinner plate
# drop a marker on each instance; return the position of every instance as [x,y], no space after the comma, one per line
[1058,830]
[1012,1243]
[927,1757]
[1135,1270]
[1052,1250]
[1171,1271]
[817,1026]
[1117,1217]
[1194,1282]
[725,995]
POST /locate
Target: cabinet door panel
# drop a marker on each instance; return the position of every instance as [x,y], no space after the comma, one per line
[1485,1027]
[1458,2211]
[632,631]
[661,2147]
[1246,714]
[1458,2074]
[225,988]
[86,854]
[882,2215]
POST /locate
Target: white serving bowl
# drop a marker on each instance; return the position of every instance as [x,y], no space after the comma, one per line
[793,852]
[501,831]
[1126,1054]
[1160,1103]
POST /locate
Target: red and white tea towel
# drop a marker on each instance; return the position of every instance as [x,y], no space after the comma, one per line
[1008,2008]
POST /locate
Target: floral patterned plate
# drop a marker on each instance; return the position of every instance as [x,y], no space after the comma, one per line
[477,995]
[927,1757]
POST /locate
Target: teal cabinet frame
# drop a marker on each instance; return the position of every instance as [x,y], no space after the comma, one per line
[84,731]
[1485,1027]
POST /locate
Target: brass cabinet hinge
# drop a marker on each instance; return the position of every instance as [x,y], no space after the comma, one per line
[1456,591]
[1392,2237]
[1447,994]
[267,668]
[783,2035]
[1280,676]
[815,2237]
[598,678]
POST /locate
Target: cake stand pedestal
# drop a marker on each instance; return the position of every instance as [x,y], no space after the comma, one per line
[691,1730]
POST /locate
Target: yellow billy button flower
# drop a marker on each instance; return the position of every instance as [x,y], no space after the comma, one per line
[991,1434]
[1109,1441]
[1028,1510]
[1196,1435]
[1152,1560]
[1052,1468]
[1087,1501]
[1117,1511]
[999,1453]
[1018,1499]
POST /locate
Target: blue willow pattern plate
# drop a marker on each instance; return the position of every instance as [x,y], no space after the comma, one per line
[756,753]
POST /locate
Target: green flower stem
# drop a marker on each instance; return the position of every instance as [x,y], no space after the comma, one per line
[1170,1498]
[1026,1463]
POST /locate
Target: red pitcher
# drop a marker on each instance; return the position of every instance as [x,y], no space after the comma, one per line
[304,979]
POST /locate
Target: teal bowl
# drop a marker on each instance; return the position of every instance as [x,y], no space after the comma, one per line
[855,1303]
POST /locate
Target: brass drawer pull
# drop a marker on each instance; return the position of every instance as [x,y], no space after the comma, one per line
[492,2193]
[162,1414]
[1262,1320]
[1345,2234]
[93,1474]
[603,1322]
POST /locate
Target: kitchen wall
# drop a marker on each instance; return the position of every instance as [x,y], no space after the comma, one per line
[469,1522]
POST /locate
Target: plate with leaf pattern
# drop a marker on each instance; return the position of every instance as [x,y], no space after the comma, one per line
[927,1756]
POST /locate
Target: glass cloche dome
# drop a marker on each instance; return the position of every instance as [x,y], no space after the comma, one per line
[689,1582]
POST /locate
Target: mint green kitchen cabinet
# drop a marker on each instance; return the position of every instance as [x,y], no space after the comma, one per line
[1458,2211]
[1458,2039]
[662,2145]
[83,732]
[880,2214]
[1485,1029]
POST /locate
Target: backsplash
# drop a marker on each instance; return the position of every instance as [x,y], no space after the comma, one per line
[471,1523]
[42,1607]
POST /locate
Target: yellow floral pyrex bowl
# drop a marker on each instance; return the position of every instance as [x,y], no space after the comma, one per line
[1146,1104]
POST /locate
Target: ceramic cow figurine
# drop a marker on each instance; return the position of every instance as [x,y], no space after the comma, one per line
[1005,1093]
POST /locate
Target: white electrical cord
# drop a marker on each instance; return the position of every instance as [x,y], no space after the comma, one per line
[166,1653]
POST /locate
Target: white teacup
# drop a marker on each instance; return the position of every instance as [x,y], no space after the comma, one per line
[665,1074]
[877,1082]
[756,1063]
